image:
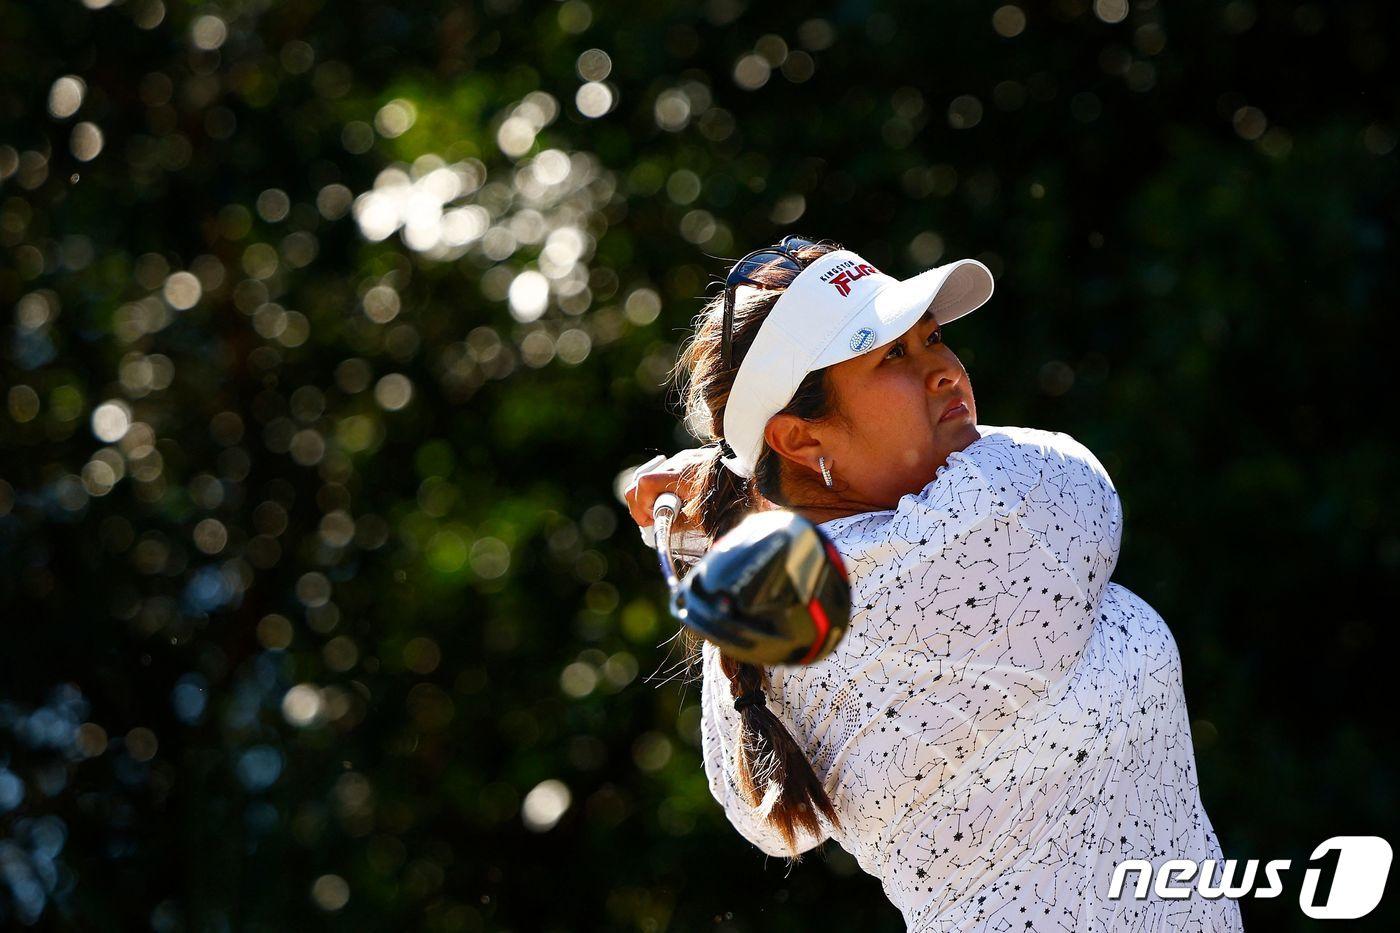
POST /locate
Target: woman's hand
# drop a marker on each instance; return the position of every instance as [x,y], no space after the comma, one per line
[664,474]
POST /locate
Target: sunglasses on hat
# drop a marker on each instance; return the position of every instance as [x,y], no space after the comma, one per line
[750,271]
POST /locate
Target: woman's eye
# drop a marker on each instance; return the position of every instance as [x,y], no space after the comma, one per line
[935,337]
[895,352]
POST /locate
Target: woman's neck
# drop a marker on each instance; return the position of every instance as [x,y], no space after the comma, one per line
[817,516]
[827,508]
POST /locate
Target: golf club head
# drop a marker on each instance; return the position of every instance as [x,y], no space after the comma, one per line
[772,591]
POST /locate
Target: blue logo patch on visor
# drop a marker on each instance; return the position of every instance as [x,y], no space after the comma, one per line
[862,340]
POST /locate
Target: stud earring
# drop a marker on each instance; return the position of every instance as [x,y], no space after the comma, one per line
[826,471]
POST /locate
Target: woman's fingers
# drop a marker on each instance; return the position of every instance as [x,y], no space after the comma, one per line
[630,491]
[658,475]
[639,509]
[642,496]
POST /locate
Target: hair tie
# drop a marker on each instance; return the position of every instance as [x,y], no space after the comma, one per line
[744,701]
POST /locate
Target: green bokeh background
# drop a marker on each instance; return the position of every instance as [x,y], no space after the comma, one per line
[253,439]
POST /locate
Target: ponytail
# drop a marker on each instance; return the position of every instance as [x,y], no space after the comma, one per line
[769,763]
[768,757]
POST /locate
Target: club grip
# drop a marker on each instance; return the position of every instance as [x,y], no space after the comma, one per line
[663,512]
[667,501]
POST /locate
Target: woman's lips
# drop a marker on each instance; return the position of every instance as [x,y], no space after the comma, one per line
[957,408]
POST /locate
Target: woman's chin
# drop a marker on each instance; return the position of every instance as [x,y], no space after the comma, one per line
[960,430]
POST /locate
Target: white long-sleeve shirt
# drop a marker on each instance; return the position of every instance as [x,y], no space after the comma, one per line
[1001,725]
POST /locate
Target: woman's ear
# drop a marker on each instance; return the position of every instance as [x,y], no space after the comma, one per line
[792,438]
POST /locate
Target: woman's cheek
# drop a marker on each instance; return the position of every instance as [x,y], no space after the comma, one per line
[891,423]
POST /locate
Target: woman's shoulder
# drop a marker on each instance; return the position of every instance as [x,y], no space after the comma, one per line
[997,443]
[992,474]
[1027,450]
[1060,454]
[1033,440]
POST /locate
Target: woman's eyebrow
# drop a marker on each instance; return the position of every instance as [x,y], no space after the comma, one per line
[923,319]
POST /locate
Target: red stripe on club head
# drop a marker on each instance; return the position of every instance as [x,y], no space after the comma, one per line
[823,627]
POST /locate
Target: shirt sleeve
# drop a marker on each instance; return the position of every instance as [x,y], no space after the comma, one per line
[972,601]
[996,565]
[1076,513]
[1046,482]
[719,725]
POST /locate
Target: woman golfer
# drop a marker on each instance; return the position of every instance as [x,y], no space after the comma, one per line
[1001,725]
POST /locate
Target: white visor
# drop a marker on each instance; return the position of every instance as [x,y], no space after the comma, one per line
[837,308]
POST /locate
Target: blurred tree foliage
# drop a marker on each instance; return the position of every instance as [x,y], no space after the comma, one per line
[327,326]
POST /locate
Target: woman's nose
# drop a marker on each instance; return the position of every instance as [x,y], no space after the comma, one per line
[942,375]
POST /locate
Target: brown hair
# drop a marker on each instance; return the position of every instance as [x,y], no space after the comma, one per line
[766,753]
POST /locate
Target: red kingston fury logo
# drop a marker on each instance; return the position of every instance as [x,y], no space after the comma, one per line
[844,275]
